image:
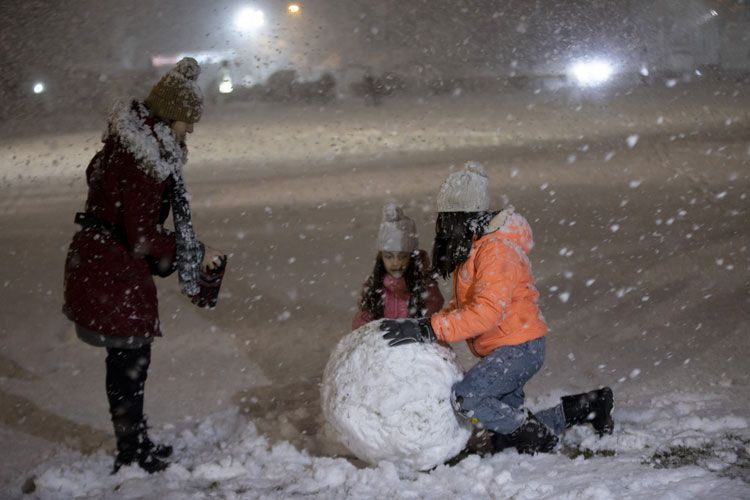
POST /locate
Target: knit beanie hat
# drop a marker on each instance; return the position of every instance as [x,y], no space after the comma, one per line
[465,191]
[177,96]
[398,233]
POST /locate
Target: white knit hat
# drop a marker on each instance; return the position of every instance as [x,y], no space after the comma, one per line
[465,191]
[398,233]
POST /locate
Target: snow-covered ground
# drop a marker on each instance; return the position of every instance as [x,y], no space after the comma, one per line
[640,212]
[225,456]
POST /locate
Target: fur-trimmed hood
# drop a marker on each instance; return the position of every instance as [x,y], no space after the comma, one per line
[514,227]
[152,143]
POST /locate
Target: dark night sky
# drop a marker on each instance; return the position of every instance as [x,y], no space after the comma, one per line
[108,32]
[476,34]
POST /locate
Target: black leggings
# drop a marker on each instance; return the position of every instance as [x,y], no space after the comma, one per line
[127,370]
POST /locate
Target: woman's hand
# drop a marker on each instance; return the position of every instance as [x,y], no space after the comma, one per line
[212,258]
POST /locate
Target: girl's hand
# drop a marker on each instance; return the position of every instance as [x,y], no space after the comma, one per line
[212,259]
[407,331]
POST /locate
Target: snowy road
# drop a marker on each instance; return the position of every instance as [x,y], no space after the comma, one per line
[640,215]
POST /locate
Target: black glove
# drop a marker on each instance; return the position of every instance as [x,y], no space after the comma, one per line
[161,267]
[406,331]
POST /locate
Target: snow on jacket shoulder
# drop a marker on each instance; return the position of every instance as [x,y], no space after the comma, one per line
[494,299]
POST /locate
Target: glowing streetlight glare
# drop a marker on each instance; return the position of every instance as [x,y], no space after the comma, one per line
[249,18]
[591,73]
[226,87]
[38,88]
[293,8]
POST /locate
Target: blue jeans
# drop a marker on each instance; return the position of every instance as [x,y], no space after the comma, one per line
[491,393]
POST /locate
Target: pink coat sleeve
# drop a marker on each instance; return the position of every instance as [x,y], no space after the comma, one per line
[362,317]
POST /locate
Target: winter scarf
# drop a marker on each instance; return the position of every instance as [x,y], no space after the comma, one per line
[159,154]
[189,249]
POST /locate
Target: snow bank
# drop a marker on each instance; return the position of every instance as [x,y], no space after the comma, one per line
[393,404]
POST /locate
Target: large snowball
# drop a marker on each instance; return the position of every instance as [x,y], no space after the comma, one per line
[393,403]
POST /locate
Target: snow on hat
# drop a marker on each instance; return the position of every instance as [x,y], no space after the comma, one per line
[465,191]
[398,233]
[177,96]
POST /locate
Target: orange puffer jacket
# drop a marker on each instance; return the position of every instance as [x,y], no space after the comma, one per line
[494,299]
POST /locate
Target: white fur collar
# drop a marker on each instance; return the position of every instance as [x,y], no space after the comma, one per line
[157,151]
[498,221]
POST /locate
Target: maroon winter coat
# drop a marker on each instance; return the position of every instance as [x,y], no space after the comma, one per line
[108,281]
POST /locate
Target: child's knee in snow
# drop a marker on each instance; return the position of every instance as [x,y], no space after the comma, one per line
[461,407]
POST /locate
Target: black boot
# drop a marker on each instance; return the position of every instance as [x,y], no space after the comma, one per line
[157,450]
[145,460]
[151,463]
[530,438]
[501,442]
[131,448]
[126,434]
[127,370]
[594,407]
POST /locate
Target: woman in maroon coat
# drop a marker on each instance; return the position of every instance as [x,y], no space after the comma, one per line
[109,289]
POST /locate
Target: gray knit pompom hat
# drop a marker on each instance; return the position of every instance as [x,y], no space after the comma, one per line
[466,190]
[398,233]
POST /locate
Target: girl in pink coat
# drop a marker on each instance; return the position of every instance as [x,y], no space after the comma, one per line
[400,285]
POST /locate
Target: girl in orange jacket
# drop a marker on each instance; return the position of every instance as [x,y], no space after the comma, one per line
[400,285]
[495,309]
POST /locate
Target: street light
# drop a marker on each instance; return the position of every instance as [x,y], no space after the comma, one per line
[591,73]
[294,8]
[249,18]
[225,86]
